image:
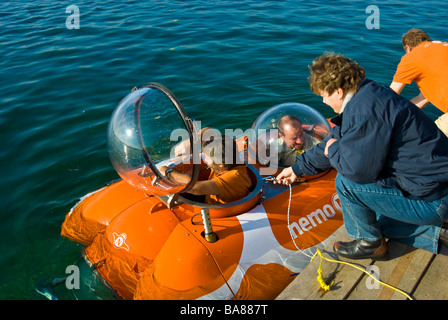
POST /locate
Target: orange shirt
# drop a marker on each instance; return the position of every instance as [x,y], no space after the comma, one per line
[233,185]
[427,65]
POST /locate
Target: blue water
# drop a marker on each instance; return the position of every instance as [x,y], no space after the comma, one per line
[226,61]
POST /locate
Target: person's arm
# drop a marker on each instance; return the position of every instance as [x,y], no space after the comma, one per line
[361,152]
[397,86]
[204,188]
[420,100]
[200,187]
[311,162]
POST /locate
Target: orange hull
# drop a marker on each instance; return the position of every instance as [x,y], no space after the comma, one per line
[147,242]
[143,250]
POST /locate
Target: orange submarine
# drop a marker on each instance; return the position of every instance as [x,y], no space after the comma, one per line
[145,238]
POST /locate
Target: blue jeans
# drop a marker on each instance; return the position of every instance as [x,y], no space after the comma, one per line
[371,212]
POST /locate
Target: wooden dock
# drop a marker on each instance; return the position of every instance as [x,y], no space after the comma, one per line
[419,273]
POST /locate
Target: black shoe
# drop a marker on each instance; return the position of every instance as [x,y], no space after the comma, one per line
[443,236]
[362,249]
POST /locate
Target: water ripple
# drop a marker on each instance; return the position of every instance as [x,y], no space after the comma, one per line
[226,61]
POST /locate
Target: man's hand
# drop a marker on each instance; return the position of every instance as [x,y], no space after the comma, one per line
[286,177]
[162,170]
[182,148]
[329,143]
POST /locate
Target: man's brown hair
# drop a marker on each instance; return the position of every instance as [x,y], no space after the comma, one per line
[285,120]
[330,72]
[414,37]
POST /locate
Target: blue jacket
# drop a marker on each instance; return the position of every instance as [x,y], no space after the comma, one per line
[384,138]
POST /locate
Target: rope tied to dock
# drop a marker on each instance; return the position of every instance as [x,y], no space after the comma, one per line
[320,278]
[326,287]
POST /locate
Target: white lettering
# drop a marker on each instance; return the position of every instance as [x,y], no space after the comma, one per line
[197,310]
[315,215]
[328,208]
[373,21]
[304,223]
[72,281]
[336,202]
[245,309]
[238,133]
[266,150]
[373,283]
[315,218]
[72,21]
[296,226]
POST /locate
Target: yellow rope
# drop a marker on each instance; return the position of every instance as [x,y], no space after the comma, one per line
[326,287]
[320,277]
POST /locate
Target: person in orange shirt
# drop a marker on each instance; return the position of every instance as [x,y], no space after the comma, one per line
[228,180]
[426,63]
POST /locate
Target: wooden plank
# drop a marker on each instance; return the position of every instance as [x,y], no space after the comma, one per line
[434,284]
[403,271]
[306,286]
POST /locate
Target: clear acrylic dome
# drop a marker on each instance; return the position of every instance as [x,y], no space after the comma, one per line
[142,133]
[273,146]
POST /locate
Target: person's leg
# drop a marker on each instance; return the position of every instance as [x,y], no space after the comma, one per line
[371,212]
[419,236]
